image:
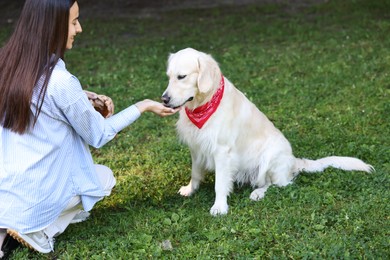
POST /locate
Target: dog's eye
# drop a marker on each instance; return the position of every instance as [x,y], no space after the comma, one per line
[181,77]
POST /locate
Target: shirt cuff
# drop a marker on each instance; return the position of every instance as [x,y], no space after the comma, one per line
[124,118]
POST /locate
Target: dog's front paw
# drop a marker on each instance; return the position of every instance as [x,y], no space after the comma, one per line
[219,209]
[186,190]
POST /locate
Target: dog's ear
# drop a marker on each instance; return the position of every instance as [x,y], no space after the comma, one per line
[209,73]
[170,56]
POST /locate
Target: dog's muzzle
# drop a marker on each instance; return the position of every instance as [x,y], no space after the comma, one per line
[166,99]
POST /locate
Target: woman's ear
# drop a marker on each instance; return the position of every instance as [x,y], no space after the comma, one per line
[209,73]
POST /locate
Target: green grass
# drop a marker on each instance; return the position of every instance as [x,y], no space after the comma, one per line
[322,76]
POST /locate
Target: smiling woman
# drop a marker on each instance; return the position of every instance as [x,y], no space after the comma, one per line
[74,25]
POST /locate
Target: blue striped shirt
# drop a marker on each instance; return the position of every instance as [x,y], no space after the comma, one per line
[41,170]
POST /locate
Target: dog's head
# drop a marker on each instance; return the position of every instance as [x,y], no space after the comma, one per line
[193,78]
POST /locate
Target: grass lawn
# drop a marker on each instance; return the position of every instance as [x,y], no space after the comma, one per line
[320,73]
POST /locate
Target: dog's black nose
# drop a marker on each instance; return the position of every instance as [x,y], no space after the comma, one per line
[165,99]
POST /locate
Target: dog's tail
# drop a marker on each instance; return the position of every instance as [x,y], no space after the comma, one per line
[343,163]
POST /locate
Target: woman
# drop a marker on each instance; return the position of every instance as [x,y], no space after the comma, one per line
[47,176]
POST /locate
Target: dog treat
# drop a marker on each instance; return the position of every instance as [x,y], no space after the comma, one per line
[100,106]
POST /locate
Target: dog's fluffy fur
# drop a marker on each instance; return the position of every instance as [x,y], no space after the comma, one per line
[238,142]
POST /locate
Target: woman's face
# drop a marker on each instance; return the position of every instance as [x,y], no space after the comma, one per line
[74,25]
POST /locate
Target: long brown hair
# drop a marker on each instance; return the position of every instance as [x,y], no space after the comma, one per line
[33,49]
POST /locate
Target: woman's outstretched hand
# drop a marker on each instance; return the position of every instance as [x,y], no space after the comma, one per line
[148,105]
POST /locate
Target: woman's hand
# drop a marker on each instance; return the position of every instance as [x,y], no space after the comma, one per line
[155,107]
[103,104]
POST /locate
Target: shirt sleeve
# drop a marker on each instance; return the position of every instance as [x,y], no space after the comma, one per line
[76,109]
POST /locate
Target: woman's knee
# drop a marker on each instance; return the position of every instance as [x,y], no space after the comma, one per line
[106,178]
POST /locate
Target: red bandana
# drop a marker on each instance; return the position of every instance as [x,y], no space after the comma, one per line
[200,115]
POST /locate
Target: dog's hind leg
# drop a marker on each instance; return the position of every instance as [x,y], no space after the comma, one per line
[261,181]
[259,193]
[279,174]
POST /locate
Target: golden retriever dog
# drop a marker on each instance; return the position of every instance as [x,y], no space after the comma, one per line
[226,133]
